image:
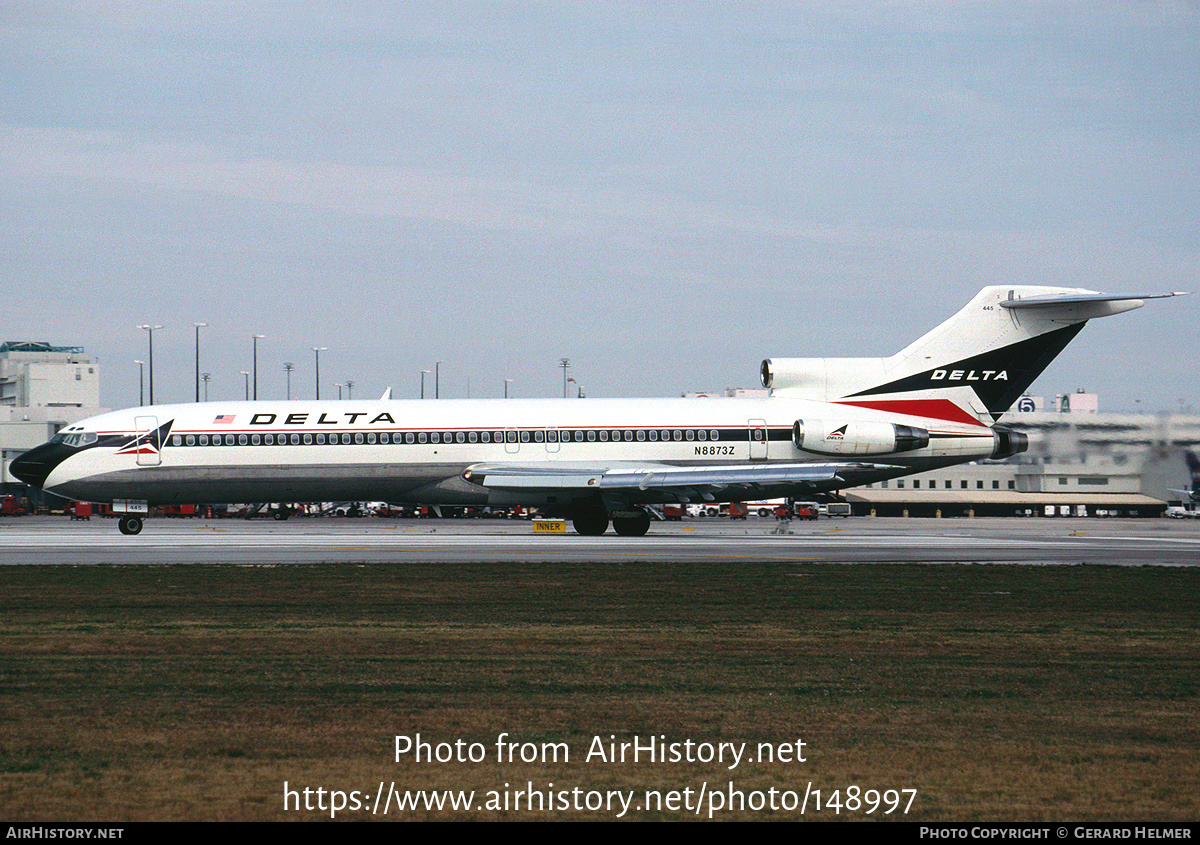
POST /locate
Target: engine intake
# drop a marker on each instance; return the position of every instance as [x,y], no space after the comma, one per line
[793,372]
[857,438]
[822,378]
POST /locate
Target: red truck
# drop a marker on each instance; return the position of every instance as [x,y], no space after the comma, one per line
[800,510]
[10,506]
[674,513]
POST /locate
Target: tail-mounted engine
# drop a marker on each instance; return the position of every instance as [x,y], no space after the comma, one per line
[857,438]
[821,379]
[1008,443]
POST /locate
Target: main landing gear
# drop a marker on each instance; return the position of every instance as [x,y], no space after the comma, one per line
[631,523]
[594,522]
[591,523]
[130,525]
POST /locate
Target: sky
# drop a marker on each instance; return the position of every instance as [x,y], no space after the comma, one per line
[663,193]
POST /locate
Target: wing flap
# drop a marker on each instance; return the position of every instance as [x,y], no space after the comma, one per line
[662,482]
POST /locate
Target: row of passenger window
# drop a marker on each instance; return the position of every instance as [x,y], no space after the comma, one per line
[551,435]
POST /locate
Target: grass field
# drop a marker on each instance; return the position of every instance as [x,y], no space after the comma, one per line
[996,692]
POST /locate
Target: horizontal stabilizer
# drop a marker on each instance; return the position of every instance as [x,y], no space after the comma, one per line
[1074,299]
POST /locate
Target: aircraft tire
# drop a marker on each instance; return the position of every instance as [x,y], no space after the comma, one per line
[590,523]
[632,526]
[130,525]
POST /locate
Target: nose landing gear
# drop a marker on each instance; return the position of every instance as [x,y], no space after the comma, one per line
[130,524]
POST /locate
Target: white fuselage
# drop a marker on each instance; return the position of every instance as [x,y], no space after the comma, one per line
[417,451]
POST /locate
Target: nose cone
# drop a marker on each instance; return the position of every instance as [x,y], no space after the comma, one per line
[36,464]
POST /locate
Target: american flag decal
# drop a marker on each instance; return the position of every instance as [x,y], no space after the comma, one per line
[224,419]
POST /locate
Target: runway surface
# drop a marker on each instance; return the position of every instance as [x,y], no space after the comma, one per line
[59,541]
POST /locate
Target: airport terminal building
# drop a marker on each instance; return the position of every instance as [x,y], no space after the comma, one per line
[43,388]
[1080,462]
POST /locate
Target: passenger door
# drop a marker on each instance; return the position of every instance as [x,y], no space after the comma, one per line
[758,439]
[146,432]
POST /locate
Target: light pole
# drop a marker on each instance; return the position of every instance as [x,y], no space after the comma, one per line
[247,375]
[198,327]
[506,383]
[151,329]
[349,389]
[317,350]
[565,363]
[288,366]
[339,386]
[141,383]
[257,338]
[423,374]
[204,377]
[437,380]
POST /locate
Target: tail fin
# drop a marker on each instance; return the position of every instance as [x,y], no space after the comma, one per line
[1194,468]
[969,369]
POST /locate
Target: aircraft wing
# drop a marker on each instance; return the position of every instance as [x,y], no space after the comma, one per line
[651,483]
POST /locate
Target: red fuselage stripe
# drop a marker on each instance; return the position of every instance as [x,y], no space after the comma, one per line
[937,409]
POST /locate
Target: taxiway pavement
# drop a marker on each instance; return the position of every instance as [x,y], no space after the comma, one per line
[59,541]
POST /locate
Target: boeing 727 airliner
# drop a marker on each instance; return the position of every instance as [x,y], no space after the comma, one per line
[828,424]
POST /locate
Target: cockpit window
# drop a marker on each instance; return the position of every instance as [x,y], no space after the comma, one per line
[75,438]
